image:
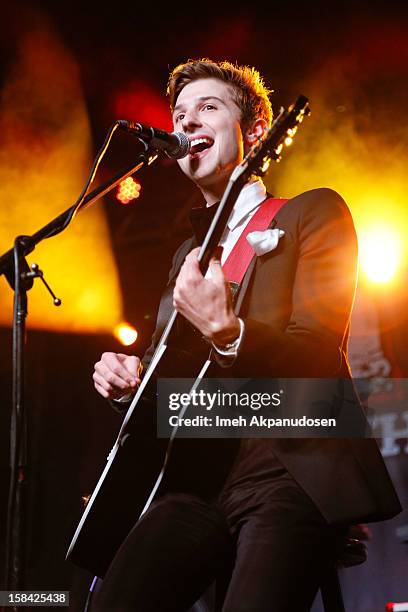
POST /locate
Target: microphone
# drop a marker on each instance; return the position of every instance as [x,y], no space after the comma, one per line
[174,144]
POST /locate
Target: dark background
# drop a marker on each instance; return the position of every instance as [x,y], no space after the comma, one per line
[124,53]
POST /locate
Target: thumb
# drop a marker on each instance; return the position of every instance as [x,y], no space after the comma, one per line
[217,274]
[131,363]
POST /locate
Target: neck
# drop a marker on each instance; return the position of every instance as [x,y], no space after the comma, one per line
[212,194]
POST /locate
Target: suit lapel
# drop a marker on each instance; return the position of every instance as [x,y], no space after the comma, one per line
[247,277]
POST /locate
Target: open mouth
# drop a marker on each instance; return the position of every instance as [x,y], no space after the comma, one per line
[198,145]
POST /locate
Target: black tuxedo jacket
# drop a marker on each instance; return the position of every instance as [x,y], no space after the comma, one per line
[296,302]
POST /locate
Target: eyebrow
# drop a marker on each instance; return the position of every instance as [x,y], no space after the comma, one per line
[201,99]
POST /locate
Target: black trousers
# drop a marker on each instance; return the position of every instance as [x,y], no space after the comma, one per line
[267,553]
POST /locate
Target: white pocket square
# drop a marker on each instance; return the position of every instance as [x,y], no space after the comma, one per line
[263,242]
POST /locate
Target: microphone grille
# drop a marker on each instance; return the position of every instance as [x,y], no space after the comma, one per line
[184,146]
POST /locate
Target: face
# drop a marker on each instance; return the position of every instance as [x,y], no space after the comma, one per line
[206,112]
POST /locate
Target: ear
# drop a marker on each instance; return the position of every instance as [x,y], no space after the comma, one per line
[255,132]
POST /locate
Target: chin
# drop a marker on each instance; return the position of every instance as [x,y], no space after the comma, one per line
[202,176]
[208,175]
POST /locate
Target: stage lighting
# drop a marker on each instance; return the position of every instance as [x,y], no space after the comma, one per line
[128,190]
[380,253]
[125,333]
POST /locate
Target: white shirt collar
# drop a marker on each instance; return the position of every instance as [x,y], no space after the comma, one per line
[252,194]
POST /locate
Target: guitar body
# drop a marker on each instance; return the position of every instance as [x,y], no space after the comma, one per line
[131,472]
[121,494]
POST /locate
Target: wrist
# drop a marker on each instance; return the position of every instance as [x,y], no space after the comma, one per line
[227,354]
[228,333]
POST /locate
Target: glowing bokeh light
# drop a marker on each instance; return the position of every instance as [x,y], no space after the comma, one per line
[45,156]
[125,333]
[380,253]
[128,190]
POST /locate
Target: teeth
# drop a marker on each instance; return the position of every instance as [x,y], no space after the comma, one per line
[198,141]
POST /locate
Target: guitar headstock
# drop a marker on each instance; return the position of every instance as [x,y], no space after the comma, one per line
[280,134]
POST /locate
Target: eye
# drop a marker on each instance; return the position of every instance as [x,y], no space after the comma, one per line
[208,107]
[179,117]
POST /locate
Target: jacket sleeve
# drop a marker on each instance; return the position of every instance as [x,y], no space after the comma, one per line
[166,301]
[313,341]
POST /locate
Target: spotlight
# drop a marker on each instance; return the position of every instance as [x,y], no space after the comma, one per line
[380,253]
[128,190]
[125,333]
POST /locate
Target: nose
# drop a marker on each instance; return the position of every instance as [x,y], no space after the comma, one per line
[191,120]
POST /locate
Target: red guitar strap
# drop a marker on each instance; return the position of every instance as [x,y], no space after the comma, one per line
[238,260]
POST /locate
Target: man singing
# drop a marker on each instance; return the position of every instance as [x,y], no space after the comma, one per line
[267,531]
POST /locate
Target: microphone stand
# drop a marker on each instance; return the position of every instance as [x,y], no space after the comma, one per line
[14,266]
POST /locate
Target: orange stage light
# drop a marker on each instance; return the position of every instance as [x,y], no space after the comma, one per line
[45,157]
[380,253]
[125,333]
[128,190]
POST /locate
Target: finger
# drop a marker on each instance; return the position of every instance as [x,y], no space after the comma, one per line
[111,361]
[217,274]
[192,259]
[107,390]
[114,363]
[99,380]
[117,377]
[188,279]
[132,365]
[124,357]
[102,391]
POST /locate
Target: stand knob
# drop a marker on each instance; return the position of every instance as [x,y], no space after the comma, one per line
[38,273]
